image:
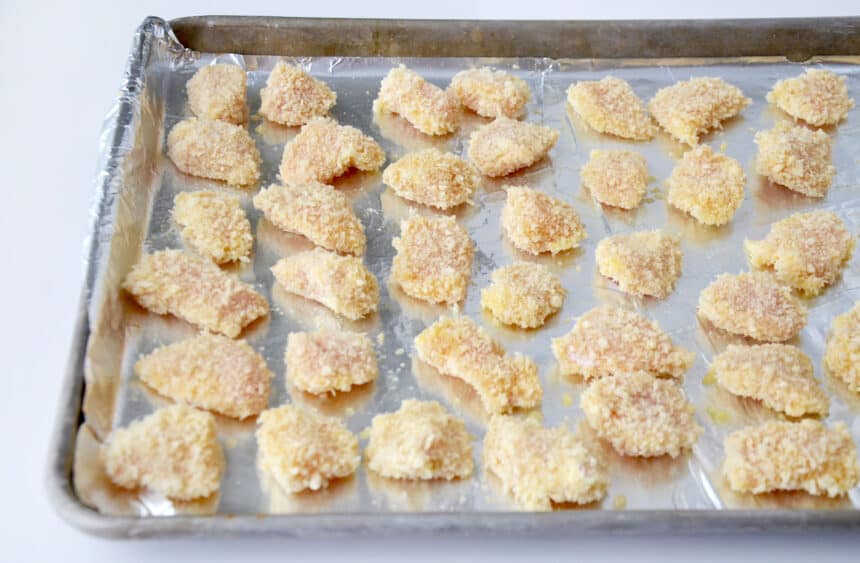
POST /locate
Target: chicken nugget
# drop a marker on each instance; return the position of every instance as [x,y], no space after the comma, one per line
[327,360]
[292,97]
[491,93]
[643,263]
[214,225]
[796,158]
[432,177]
[707,185]
[611,106]
[538,223]
[427,107]
[818,97]
[523,294]
[616,178]
[218,92]
[842,355]
[216,150]
[506,145]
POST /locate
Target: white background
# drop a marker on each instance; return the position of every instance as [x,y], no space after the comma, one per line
[61,67]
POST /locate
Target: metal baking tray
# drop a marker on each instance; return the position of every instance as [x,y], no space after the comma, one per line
[135,189]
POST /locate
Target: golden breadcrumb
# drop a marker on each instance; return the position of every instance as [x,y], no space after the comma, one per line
[216,150]
[778,375]
[218,92]
[292,97]
[341,283]
[537,223]
[462,349]
[693,107]
[507,145]
[607,340]
[329,360]
[324,150]
[196,290]
[806,250]
[539,466]
[754,305]
[491,93]
[214,225]
[796,158]
[304,450]
[432,177]
[616,178]
[174,451]
[611,106]
[433,260]
[792,456]
[842,356]
[643,263]
[523,294]
[316,211]
[421,440]
[818,97]
[427,107]
[708,185]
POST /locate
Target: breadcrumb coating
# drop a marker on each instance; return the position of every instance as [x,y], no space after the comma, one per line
[421,440]
[643,263]
[218,92]
[432,177]
[778,375]
[316,211]
[708,185]
[324,150]
[216,150]
[491,93]
[196,290]
[611,106]
[293,97]
[341,283]
[818,97]
[427,107]
[536,222]
[506,145]
[328,360]
[806,250]
[460,348]
[214,225]
[842,355]
[754,305]
[174,451]
[433,260]
[523,294]
[792,456]
[608,340]
[539,466]
[304,450]
[796,158]
[616,178]
[693,107]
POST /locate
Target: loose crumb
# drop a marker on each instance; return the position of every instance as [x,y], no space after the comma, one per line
[567,400]
[329,360]
[842,356]
[218,92]
[216,150]
[214,225]
[491,93]
[523,294]
[619,502]
[643,263]
[818,97]
[432,177]
[507,145]
[536,222]
[707,185]
[611,106]
[796,158]
[616,178]
[293,97]
[427,107]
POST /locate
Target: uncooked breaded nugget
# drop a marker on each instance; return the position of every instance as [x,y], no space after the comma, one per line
[796,158]
[707,185]
[218,92]
[607,340]
[693,107]
[537,223]
[523,294]
[432,177]
[778,375]
[316,211]
[427,107]
[329,360]
[491,93]
[421,440]
[324,150]
[806,250]
[174,451]
[433,260]
[462,349]
[216,150]
[643,263]
[507,145]
[196,290]
[539,466]
[842,356]
[341,283]
[792,456]
[611,106]
[818,97]
[754,305]
[304,450]
[292,97]
[616,178]
[214,225]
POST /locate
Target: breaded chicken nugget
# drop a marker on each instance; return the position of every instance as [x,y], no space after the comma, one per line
[294,97]
[611,106]
[643,263]
[218,92]
[507,145]
[214,225]
[427,107]
[329,360]
[707,185]
[432,177]
[538,223]
[818,97]
[842,356]
[616,178]
[523,294]
[216,150]
[796,158]
[491,93]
